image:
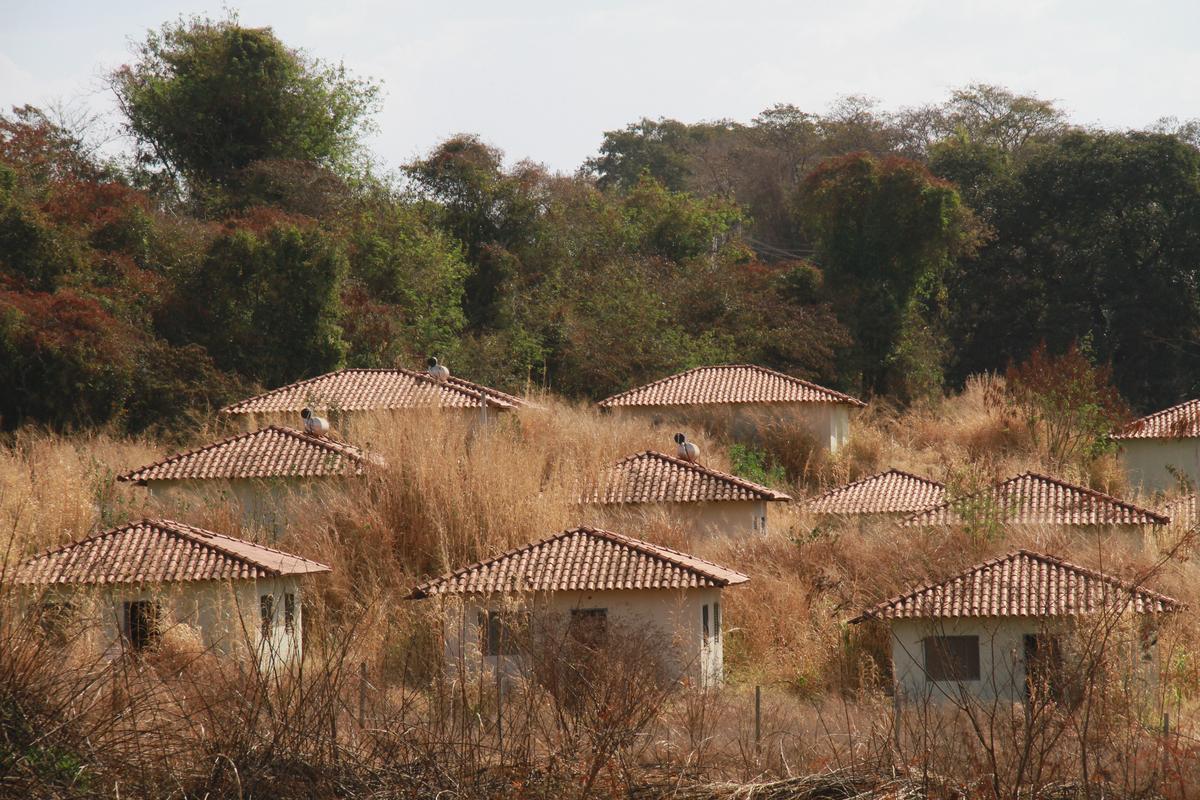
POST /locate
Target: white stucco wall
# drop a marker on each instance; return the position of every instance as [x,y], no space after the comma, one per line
[1002,666]
[264,504]
[225,614]
[1102,539]
[1148,463]
[348,423]
[828,423]
[1001,658]
[673,618]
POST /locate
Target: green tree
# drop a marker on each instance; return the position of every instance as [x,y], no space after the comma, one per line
[1096,238]
[661,149]
[266,305]
[492,212]
[206,98]
[405,292]
[678,226]
[886,232]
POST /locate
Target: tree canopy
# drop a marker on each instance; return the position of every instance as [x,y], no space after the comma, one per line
[207,98]
[249,243]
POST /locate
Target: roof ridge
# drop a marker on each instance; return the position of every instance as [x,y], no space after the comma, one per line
[930,584]
[205,538]
[205,532]
[783,375]
[340,448]
[1120,583]
[659,551]
[876,476]
[128,476]
[1093,492]
[213,546]
[914,592]
[758,488]
[95,536]
[446,576]
[1128,427]
[417,375]
[674,557]
[996,486]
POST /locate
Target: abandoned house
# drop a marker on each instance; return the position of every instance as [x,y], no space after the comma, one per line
[1010,627]
[745,400]
[132,585]
[585,584]
[703,501]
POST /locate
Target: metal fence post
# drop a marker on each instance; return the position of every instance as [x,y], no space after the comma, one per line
[757,719]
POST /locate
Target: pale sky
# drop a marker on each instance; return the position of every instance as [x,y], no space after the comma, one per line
[543,80]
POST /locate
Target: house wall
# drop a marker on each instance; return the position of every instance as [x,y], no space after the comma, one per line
[264,504]
[1146,462]
[734,518]
[1001,658]
[673,615]
[828,423]
[348,423]
[226,615]
[1110,539]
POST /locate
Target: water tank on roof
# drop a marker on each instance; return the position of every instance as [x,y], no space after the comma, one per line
[436,371]
[314,425]
[688,451]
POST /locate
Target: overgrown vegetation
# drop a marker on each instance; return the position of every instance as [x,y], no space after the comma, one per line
[248,241]
[453,495]
[1006,288]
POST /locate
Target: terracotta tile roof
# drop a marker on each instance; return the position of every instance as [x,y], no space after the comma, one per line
[1021,584]
[373,389]
[583,559]
[160,551]
[889,492]
[1032,499]
[271,452]
[650,477]
[731,383]
[1177,422]
[1182,511]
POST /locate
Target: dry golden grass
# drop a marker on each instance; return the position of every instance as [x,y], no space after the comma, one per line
[453,492]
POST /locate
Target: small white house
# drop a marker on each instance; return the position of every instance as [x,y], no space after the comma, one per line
[1039,503]
[892,493]
[1160,449]
[595,582]
[348,395]
[1005,628]
[745,400]
[705,501]
[259,471]
[147,577]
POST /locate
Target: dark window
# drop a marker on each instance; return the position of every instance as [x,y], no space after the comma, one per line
[717,621]
[266,609]
[141,623]
[496,630]
[289,613]
[952,658]
[704,621]
[1044,668]
[589,625]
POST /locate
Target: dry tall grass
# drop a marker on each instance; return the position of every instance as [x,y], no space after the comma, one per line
[453,492]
